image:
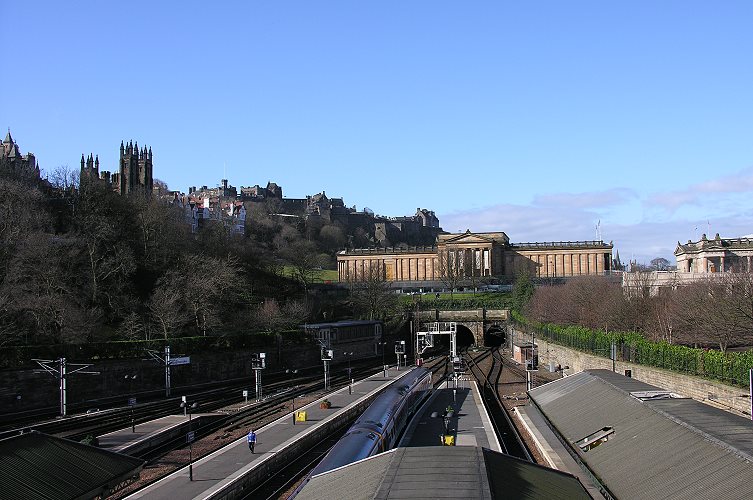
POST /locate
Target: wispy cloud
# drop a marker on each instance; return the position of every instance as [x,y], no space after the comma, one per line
[562,217]
[704,192]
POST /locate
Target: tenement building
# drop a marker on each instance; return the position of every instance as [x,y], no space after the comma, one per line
[476,255]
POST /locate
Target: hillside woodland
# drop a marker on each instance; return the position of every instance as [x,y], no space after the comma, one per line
[79,263]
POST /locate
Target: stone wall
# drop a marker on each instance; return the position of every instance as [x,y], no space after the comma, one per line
[728,397]
[28,389]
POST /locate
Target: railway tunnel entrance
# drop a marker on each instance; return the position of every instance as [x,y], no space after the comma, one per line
[465,337]
[495,336]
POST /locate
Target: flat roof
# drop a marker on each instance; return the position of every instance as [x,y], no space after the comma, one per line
[660,446]
[37,465]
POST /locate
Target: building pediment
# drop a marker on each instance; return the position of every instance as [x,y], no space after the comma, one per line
[472,239]
[469,238]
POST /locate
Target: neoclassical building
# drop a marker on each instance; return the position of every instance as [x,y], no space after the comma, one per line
[715,256]
[476,254]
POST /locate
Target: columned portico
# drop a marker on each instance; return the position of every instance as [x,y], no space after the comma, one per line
[476,255]
[718,255]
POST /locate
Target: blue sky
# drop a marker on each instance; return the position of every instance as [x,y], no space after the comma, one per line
[539,119]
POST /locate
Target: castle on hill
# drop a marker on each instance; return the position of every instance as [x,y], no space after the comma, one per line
[12,159]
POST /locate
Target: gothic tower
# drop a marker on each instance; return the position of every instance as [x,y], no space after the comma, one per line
[89,168]
[135,169]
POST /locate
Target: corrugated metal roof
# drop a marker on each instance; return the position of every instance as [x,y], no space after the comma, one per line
[458,472]
[670,448]
[35,465]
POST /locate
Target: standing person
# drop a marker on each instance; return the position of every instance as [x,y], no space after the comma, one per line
[251,440]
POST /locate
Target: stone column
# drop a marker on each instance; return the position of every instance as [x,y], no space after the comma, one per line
[551,269]
[749,262]
[721,264]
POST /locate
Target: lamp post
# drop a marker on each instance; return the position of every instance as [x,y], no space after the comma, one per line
[189,408]
[292,372]
[131,399]
[350,384]
[384,367]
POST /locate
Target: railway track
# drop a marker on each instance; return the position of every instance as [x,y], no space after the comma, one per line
[79,426]
[509,437]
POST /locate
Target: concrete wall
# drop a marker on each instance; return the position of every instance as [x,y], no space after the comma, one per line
[707,391]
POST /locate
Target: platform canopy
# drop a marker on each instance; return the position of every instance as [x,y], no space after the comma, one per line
[40,466]
[457,472]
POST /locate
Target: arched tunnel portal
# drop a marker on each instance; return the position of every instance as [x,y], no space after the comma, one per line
[495,336]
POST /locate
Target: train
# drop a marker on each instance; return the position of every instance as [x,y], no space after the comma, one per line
[383,422]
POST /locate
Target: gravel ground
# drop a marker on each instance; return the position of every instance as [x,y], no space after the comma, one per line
[512,392]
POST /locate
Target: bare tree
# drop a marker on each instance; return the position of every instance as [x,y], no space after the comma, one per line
[305,260]
[450,269]
[660,264]
[166,306]
[65,178]
[372,294]
[473,269]
[132,327]
[274,318]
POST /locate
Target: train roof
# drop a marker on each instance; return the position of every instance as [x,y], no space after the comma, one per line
[467,472]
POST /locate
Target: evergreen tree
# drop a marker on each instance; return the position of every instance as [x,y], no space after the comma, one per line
[522,290]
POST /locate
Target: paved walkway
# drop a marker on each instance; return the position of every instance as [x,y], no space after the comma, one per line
[124,438]
[471,424]
[218,469]
[553,450]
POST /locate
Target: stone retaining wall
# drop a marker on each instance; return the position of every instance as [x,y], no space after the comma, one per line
[711,392]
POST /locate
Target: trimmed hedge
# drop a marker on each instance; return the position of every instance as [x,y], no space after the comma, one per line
[732,367]
[482,301]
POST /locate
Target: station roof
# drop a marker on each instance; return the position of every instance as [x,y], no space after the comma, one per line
[36,465]
[466,472]
[658,444]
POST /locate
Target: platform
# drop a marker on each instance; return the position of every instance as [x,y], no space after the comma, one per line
[214,474]
[128,442]
[470,423]
[552,449]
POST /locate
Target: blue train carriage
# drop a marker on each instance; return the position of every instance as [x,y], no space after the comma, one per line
[380,426]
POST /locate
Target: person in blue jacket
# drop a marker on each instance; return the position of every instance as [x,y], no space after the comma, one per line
[251,440]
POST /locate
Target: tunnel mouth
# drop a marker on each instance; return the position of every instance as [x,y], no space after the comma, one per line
[495,336]
[464,337]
